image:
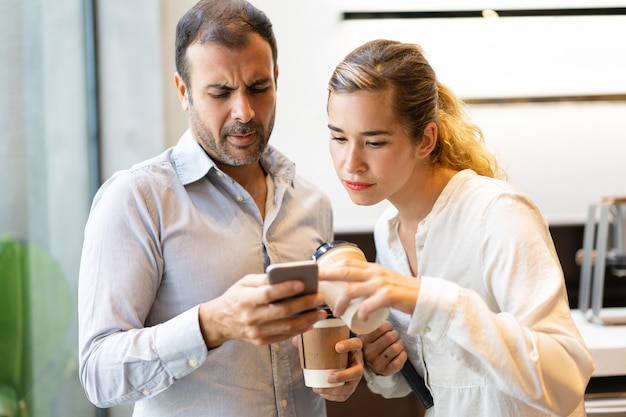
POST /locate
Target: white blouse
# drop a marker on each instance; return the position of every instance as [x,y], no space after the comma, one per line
[492,331]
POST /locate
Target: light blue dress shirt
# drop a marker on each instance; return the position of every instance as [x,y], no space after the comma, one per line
[165,236]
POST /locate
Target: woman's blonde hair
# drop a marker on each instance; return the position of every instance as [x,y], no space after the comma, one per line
[417,99]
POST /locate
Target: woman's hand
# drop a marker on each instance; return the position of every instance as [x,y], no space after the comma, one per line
[380,286]
[383,350]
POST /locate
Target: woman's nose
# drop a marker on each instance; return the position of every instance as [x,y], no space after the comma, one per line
[353,162]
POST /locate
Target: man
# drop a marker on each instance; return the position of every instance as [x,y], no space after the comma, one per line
[175,311]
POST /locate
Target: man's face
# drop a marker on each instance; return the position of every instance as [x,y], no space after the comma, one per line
[232,99]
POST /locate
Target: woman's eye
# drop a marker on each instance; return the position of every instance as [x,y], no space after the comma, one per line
[375,144]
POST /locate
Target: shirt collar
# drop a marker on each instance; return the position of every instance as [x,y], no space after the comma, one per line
[192,163]
[278,165]
[456,180]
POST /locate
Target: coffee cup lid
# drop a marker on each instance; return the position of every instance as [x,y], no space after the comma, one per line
[329,312]
[325,247]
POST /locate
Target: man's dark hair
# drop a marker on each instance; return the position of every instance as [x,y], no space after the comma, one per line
[226,22]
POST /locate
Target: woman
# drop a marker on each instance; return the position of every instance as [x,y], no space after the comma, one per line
[465,261]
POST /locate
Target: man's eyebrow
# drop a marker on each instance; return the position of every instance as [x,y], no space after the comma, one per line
[365,133]
[225,86]
[219,86]
[260,81]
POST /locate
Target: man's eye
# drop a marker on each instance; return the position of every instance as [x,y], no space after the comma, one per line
[219,95]
[338,138]
[259,90]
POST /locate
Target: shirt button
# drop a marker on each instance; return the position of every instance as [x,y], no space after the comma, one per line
[220,174]
[193,362]
[145,392]
[284,403]
[420,248]
[423,222]
[426,329]
[240,198]
[276,347]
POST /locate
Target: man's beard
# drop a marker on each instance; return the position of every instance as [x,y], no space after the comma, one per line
[224,152]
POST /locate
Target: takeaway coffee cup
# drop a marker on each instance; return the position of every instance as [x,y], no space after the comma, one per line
[327,255]
[318,356]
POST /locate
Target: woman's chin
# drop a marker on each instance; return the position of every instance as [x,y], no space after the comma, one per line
[361,200]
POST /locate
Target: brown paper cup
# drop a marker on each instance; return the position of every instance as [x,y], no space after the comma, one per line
[318,356]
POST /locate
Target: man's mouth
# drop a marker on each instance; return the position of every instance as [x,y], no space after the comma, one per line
[242,139]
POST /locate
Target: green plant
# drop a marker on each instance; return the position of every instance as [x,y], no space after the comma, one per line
[35,309]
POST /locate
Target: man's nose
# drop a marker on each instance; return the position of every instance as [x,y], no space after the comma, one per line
[242,109]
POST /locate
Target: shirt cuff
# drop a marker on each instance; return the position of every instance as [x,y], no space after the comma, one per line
[435,307]
[180,345]
[387,386]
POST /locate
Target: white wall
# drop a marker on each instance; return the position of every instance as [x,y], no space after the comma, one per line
[562,155]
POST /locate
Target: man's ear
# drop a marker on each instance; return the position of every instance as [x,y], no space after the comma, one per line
[429,141]
[182,90]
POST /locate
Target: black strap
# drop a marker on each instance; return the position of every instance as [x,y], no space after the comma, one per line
[416,382]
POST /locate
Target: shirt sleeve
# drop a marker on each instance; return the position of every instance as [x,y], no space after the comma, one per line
[530,348]
[391,386]
[121,359]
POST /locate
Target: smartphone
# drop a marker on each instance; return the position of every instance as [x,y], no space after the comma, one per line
[305,271]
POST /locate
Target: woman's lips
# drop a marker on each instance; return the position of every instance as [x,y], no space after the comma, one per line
[357,186]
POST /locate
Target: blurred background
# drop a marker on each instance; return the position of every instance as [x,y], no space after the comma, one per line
[87,89]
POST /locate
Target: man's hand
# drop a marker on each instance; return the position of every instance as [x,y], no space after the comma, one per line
[351,375]
[258,313]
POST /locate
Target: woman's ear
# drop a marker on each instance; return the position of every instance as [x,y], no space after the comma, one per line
[428,142]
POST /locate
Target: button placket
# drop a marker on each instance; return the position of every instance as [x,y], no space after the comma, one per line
[420,237]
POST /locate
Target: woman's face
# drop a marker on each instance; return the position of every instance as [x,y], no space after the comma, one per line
[373,156]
